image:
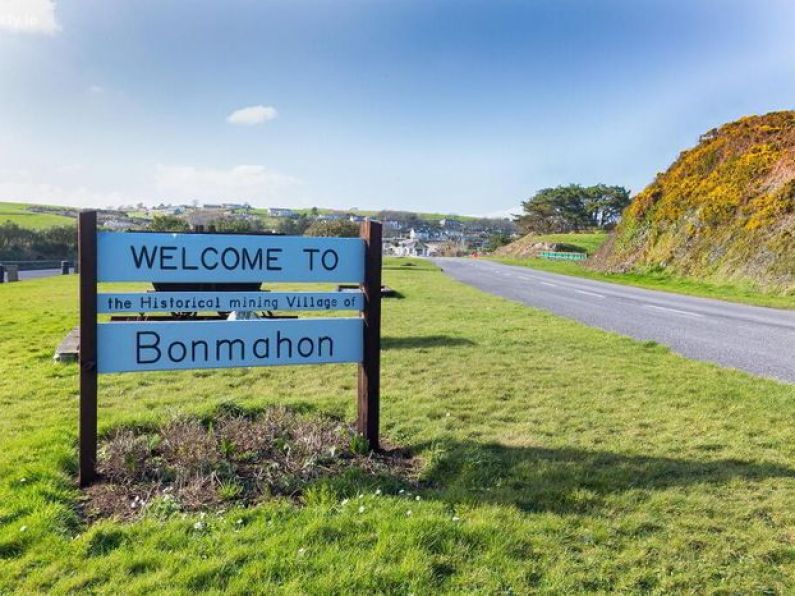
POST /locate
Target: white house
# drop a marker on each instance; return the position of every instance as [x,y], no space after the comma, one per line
[279,212]
[406,248]
[418,234]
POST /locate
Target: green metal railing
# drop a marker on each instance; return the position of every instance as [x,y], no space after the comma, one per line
[563,256]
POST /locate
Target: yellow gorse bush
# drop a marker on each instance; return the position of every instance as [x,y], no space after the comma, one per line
[724,209]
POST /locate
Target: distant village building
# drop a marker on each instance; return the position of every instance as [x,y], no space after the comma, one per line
[202,217]
[407,248]
[450,224]
[118,224]
[166,210]
[280,212]
[415,234]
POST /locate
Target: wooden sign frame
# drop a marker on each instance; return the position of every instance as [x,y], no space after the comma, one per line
[369,368]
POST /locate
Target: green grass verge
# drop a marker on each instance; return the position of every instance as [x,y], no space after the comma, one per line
[746,294]
[19,214]
[557,458]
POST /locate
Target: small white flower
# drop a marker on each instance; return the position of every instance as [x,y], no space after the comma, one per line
[378,491]
[401,491]
[361,508]
[447,415]
[418,498]
[239,521]
[456,518]
[408,512]
[23,480]
[23,529]
[198,525]
[344,502]
[301,551]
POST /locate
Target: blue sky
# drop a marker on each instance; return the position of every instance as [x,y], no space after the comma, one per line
[451,106]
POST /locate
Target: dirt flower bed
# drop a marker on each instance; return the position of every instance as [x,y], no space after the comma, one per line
[191,465]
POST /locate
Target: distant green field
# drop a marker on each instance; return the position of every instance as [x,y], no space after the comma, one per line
[19,214]
[555,459]
[370,213]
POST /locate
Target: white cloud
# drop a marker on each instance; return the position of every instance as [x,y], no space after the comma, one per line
[96,89]
[21,186]
[252,183]
[252,115]
[28,16]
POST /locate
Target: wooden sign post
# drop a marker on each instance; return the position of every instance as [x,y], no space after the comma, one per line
[197,259]
[87,355]
[370,368]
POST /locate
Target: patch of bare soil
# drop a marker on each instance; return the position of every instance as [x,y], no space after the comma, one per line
[191,465]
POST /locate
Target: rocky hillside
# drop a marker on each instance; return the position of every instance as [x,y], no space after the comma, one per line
[724,210]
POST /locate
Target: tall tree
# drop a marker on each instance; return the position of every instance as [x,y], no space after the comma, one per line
[341,227]
[573,208]
[605,204]
[168,223]
[293,226]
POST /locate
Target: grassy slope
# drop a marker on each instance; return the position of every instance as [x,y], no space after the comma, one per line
[589,242]
[733,292]
[561,459]
[19,214]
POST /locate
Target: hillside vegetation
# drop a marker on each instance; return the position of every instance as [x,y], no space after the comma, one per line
[725,210]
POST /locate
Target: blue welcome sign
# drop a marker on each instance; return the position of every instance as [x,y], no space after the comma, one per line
[208,276]
[141,256]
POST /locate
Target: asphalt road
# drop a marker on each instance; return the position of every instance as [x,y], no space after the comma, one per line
[23,275]
[750,338]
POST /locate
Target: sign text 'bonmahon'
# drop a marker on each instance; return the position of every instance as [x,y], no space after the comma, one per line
[222,344]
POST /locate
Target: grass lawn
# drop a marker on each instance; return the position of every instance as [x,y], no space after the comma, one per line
[733,292]
[555,458]
[20,215]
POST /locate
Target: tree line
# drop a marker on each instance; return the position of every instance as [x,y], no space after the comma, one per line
[289,226]
[23,244]
[573,208]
